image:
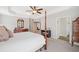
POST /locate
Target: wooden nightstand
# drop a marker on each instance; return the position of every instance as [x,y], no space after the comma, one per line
[16,30]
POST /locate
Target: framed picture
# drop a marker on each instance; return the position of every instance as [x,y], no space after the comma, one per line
[20,23]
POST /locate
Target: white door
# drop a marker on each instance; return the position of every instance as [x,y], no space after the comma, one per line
[62,26]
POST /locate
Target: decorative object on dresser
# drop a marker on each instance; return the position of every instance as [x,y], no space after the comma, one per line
[75,31]
[16,30]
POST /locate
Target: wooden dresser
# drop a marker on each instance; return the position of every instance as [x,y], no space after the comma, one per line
[75,31]
[16,30]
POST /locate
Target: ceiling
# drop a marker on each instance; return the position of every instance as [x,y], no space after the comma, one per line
[20,11]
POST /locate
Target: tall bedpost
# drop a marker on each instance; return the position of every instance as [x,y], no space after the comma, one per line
[45,30]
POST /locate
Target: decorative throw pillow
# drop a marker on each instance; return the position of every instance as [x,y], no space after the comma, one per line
[9,32]
[3,34]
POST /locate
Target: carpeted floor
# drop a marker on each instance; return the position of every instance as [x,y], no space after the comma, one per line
[60,46]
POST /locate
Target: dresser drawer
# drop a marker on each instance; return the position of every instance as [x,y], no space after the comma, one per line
[20,30]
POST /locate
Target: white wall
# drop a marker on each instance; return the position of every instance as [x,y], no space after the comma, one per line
[8,21]
[51,19]
[11,22]
[0,20]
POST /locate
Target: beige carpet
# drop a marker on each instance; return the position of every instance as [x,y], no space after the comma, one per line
[60,46]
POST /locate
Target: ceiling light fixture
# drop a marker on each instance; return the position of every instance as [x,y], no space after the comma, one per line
[34,11]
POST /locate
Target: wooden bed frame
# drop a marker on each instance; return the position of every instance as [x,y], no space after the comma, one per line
[45,46]
[45,30]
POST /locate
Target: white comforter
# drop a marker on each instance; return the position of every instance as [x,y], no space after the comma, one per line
[23,42]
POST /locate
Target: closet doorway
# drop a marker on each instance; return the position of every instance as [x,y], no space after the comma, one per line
[63,28]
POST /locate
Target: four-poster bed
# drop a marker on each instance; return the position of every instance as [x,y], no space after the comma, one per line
[46,29]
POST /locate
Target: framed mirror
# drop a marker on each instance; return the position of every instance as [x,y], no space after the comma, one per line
[20,23]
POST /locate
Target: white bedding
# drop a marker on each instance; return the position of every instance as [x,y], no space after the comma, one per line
[23,42]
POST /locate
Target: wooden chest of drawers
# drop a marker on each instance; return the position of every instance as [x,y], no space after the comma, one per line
[75,31]
[16,30]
